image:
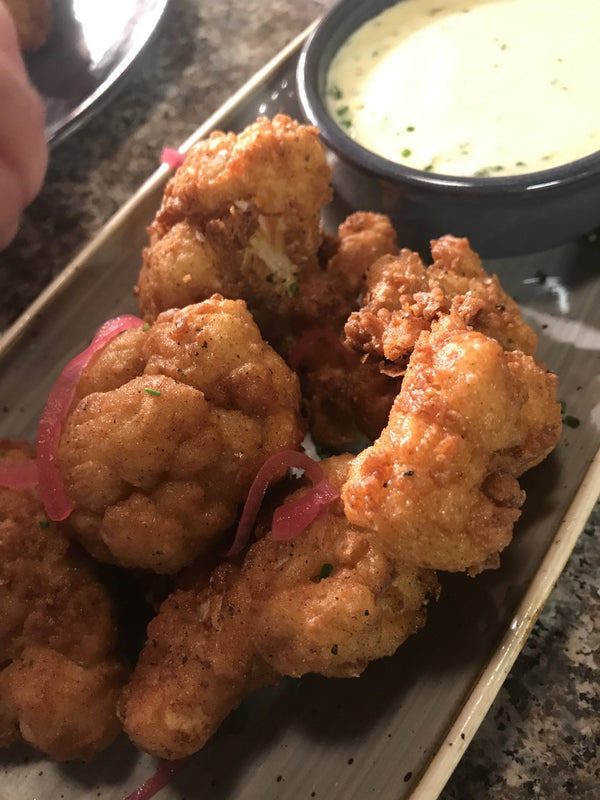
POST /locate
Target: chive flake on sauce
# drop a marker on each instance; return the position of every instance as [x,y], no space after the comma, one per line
[146,327]
[153,392]
[406,152]
[326,571]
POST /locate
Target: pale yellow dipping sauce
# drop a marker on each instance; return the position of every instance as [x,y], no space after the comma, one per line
[473,87]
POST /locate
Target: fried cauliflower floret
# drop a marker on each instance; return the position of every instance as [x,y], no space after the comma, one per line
[197,666]
[241,216]
[281,614]
[157,467]
[403,299]
[33,21]
[440,484]
[332,600]
[327,297]
[60,677]
[346,401]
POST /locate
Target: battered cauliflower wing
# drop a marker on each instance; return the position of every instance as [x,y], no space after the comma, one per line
[345,400]
[60,677]
[440,484]
[403,298]
[241,216]
[197,666]
[157,453]
[330,601]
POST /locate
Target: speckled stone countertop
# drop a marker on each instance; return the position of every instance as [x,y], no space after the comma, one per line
[541,737]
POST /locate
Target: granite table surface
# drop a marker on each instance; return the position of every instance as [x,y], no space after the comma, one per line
[541,737]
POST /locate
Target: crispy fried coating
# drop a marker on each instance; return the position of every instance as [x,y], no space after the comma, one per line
[279,615]
[404,298]
[197,666]
[60,677]
[157,466]
[347,401]
[241,216]
[332,600]
[33,21]
[440,484]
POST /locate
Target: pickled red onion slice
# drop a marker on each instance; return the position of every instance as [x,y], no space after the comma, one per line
[293,517]
[19,474]
[172,157]
[309,339]
[274,468]
[52,491]
[158,781]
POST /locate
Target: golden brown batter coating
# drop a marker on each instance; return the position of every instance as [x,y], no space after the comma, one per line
[157,467]
[59,675]
[439,486]
[197,666]
[332,600]
[280,615]
[241,217]
[33,21]
[404,298]
[347,401]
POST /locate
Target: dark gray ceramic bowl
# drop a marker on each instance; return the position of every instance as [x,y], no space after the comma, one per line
[501,216]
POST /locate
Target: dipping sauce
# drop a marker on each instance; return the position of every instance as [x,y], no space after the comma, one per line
[472,87]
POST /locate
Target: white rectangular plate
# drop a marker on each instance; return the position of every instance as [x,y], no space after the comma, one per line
[398,731]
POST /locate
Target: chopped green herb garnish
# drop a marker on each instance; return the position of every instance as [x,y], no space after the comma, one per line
[346,123]
[410,128]
[485,172]
[153,392]
[406,152]
[335,92]
[293,289]
[343,110]
[326,571]
[44,524]
[146,327]
[428,168]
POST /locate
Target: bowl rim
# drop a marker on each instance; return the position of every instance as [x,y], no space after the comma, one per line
[310,64]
